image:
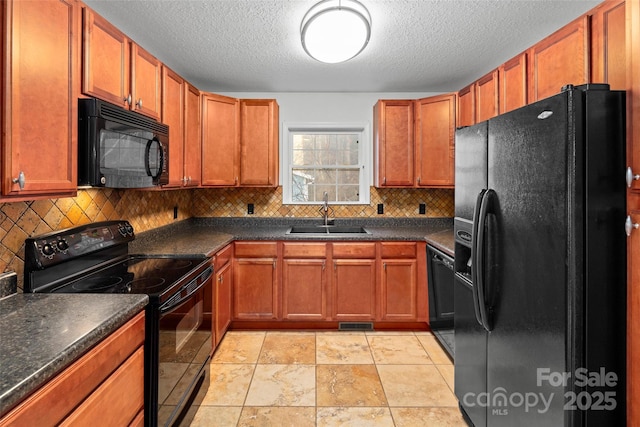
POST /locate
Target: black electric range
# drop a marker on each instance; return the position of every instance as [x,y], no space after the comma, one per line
[94,258]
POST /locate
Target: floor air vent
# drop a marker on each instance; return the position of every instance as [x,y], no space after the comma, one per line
[355,326]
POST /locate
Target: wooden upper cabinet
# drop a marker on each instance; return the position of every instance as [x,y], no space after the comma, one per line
[192,137]
[608,44]
[145,82]
[393,122]
[259,142]
[117,70]
[560,59]
[106,57]
[486,97]
[173,116]
[181,112]
[465,115]
[220,140]
[512,81]
[435,133]
[40,98]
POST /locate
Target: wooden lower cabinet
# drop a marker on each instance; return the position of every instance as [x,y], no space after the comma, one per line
[354,281]
[403,286]
[222,294]
[304,289]
[103,387]
[255,281]
[399,282]
[354,289]
[304,281]
[307,281]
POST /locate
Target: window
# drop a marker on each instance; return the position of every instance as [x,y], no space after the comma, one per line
[327,158]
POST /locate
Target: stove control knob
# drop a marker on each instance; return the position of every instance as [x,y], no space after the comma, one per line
[62,245]
[129,228]
[47,250]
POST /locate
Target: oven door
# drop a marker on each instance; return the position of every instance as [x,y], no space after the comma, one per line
[184,349]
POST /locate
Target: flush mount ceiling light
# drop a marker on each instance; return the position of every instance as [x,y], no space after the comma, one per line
[335,30]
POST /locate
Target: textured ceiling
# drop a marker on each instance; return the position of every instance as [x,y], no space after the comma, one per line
[415,46]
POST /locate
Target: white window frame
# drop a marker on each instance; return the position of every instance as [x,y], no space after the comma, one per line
[364,157]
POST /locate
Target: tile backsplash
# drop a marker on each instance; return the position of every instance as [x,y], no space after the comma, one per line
[151,209]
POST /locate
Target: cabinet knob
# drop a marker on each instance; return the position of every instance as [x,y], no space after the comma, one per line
[128,99]
[139,103]
[20,180]
[630,177]
[629,225]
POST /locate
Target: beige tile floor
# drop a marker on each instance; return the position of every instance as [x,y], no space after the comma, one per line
[328,379]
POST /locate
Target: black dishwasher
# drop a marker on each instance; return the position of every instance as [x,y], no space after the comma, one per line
[440,277]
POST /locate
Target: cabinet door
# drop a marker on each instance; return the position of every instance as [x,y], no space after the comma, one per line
[192,140]
[220,140]
[304,289]
[559,60]
[394,143]
[259,142]
[435,150]
[106,57]
[633,93]
[633,322]
[512,79]
[173,116]
[465,115]
[354,289]
[146,84]
[223,301]
[399,289]
[40,113]
[487,97]
[255,293]
[608,44]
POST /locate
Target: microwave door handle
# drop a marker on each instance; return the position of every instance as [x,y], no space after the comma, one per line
[146,158]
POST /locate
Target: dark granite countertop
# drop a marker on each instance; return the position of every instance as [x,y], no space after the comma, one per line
[41,334]
[205,236]
[443,240]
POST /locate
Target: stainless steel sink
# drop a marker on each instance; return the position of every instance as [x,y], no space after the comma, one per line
[327,229]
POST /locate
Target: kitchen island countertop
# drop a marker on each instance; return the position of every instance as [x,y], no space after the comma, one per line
[41,334]
[206,236]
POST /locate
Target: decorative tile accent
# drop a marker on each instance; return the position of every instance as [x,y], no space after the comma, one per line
[232,202]
[147,210]
[144,209]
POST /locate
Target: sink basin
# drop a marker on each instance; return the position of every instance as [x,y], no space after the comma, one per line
[329,229]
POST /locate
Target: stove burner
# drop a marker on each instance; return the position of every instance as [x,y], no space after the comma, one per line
[147,283]
[96,284]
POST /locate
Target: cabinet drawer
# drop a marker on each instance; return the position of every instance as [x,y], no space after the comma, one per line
[399,249]
[123,390]
[354,250]
[304,250]
[256,249]
[223,257]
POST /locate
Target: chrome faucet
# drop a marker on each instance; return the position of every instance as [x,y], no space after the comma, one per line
[325,208]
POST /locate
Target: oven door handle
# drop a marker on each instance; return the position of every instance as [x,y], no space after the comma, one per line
[187,290]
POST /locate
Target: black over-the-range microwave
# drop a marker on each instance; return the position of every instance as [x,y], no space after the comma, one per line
[118,148]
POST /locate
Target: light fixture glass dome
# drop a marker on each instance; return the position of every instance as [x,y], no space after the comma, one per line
[335,31]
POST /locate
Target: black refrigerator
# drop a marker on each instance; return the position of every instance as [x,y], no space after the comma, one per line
[540,263]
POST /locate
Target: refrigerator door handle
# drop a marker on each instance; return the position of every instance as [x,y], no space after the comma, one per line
[474,254]
[480,260]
